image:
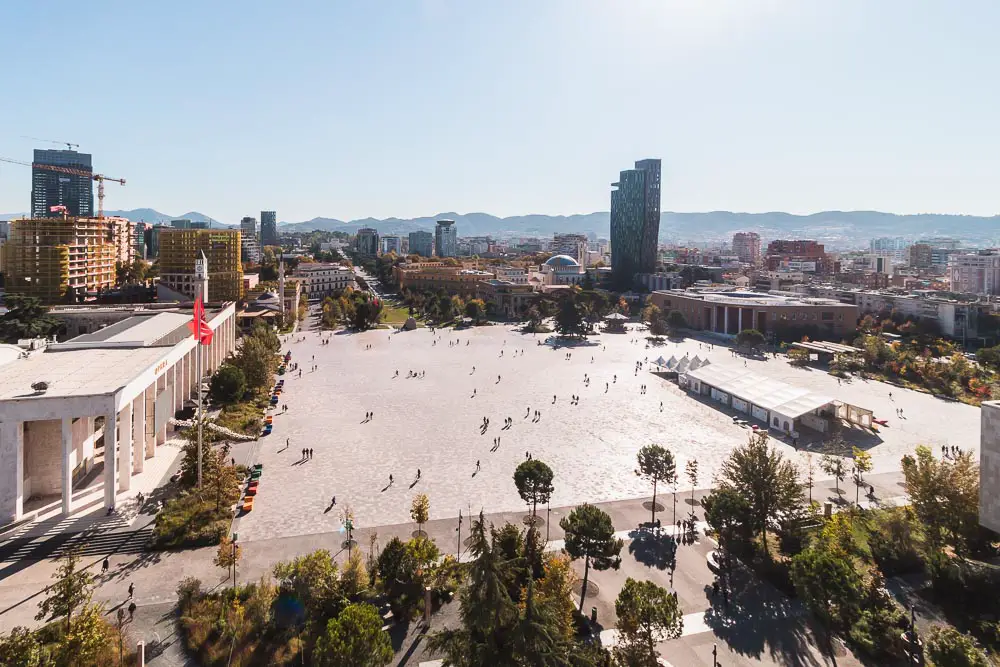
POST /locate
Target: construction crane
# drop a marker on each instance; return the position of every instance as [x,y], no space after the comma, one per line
[100,178]
[67,144]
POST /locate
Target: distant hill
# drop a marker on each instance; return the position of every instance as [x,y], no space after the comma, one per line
[837,229]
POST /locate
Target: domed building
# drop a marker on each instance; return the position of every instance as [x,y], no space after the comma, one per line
[562,270]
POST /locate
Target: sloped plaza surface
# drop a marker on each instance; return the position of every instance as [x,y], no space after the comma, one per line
[433,423]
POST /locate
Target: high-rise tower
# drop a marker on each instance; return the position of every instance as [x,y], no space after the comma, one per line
[635,222]
[52,188]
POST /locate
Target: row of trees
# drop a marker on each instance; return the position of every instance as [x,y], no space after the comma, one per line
[250,369]
[660,324]
[358,309]
[439,306]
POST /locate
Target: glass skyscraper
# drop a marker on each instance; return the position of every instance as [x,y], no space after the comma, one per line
[52,188]
[635,222]
[268,228]
[446,238]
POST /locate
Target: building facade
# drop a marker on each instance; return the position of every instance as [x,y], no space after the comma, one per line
[975,273]
[729,312]
[635,222]
[574,245]
[423,276]
[422,243]
[918,256]
[798,255]
[366,242]
[505,298]
[53,188]
[250,245]
[392,244]
[318,280]
[59,260]
[129,380]
[746,246]
[989,466]
[268,228]
[180,248]
[446,238]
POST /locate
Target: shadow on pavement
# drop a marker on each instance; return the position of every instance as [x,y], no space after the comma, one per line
[652,550]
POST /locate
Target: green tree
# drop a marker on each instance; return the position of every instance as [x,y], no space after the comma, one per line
[675,320]
[691,469]
[589,534]
[445,308]
[87,640]
[419,511]
[728,514]
[314,581]
[945,496]
[647,614]
[20,648]
[71,591]
[533,480]
[947,647]
[228,385]
[255,356]
[651,313]
[834,465]
[228,555]
[569,319]
[354,639]
[657,465]
[769,483]
[750,338]
[827,582]
[475,309]
[26,317]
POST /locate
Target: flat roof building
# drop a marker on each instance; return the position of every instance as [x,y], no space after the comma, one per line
[180,248]
[446,238]
[55,188]
[99,402]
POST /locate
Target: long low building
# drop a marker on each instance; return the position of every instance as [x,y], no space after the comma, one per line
[57,403]
[781,406]
[731,311]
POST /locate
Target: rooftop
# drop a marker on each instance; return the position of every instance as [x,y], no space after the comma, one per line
[760,390]
[77,373]
[742,297]
[145,330]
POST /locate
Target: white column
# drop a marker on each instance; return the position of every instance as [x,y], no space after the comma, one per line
[176,384]
[110,460]
[149,434]
[67,465]
[125,449]
[11,471]
[725,312]
[139,432]
[739,319]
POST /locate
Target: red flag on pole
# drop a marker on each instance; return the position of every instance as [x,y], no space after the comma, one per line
[199,326]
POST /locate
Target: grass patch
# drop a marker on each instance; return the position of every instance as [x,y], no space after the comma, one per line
[395,314]
[192,520]
[245,416]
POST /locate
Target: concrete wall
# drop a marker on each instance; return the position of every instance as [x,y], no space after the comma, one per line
[989,467]
[42,458]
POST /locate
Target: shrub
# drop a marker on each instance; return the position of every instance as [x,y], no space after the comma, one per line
[947,647]
[191,521]
[188,591]
[228,385]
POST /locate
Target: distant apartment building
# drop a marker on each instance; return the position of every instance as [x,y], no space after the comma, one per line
[433,276]
[366,242]
[421,243]
[894,247]
[318,279]
[511,274]
[746,246]
[446,239]
[249,242]
[392,244]
[660,281]
[975,273]
[474,245]
[798,255]
[635,222]
[60,260]
[51,187]
[179,248]
[184,223]
[774,281]
[731,311]
[268,228]
[505,298]
[918,256]
[574,245]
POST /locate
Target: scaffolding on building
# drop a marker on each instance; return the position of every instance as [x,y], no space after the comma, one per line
[179,248]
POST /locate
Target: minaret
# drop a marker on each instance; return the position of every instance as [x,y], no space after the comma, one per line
[281,285]
[201,277]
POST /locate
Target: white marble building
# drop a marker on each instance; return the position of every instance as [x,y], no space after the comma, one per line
[134,374]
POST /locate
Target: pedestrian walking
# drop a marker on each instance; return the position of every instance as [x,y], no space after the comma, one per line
[390,478]
[477,464]
[105,566]
[131,610]
[131,590]
[418,473]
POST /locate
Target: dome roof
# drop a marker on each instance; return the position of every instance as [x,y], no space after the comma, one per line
[561,260]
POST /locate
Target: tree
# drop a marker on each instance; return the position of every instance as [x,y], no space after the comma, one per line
[769,483]
[475,309]
[692,474]
[445,308]
[589,534]
[87,639]
[569,319]
[827,582]
[228,385]
[70,592]
[533,480]
[657,465]
[26,317]
[228,555]
[947,647]
[354,639]
[675,320]
[255,356]
[728,515]
[419,510]
[313,580]
[750,338]
[20,648]
[862,464]
[834,465]
[647,614]
[651,314]
[945,495]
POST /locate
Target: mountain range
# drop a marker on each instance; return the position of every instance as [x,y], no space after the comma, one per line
[837,229]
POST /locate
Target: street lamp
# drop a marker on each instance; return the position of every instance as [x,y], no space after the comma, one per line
[459,536]
[548,519]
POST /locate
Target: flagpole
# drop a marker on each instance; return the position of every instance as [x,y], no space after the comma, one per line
[200,373]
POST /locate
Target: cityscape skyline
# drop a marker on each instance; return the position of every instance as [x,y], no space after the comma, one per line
[776,113]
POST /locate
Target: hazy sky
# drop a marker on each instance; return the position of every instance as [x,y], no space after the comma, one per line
[407,108]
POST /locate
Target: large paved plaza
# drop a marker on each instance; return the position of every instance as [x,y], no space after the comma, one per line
[432,423]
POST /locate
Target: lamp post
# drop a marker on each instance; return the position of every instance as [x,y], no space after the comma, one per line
[459,536]
[548,518]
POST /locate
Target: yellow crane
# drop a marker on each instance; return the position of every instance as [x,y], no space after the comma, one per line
[100,178]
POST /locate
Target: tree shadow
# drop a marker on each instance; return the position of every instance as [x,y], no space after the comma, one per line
[652,549]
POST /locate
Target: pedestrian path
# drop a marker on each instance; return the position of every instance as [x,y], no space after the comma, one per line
[669,530]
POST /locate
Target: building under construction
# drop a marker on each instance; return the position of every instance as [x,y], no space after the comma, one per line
[64,259]
[179,248]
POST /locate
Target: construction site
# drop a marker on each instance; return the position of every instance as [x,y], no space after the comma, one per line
[62,259]
[180,248]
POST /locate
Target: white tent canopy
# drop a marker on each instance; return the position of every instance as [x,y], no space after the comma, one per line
[764,392]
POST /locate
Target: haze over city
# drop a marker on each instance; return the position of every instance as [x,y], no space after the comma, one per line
[356,109]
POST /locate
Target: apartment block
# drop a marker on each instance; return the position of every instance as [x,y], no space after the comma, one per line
[975,273]
[179,248]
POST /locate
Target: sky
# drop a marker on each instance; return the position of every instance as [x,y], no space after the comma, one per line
[405,108]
